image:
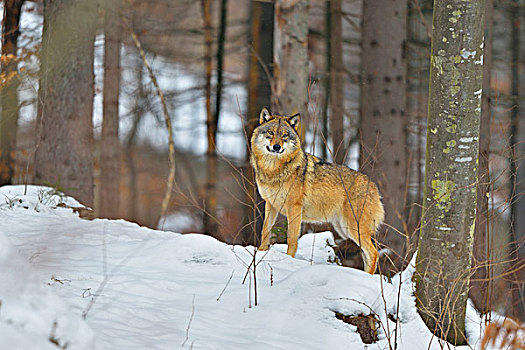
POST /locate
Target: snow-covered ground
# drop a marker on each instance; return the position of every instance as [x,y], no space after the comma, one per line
[144,289]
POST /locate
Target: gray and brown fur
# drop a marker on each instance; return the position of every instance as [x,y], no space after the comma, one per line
[305,188]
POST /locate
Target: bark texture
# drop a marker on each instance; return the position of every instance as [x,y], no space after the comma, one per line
[383,103]
[64,154]
[517,164]
[327,80]
[337,74]
[210,211]
[137,113]
[260,72]
[447,228]
[109,194]
[291,57]
[261,60]
[9,90]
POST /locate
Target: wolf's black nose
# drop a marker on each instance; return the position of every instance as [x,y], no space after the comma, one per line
[276,147]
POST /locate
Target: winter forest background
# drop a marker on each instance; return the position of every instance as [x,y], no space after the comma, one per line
[204,69]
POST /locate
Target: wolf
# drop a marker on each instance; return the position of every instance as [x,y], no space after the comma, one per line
[305,188]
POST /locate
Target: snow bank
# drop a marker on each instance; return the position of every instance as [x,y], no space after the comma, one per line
[147,289]
[32,316]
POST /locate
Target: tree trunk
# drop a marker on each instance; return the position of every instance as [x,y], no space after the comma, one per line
[383,103]
[138,112]
[290,67]
[109,194]
[417,52]
[9,90]
[64,154]
[327,80]
[337,74]
[481,284]
[220,61]
[447,229]
[210,214]
[517,167]
[260,72]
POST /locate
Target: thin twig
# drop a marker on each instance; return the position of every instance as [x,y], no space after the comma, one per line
[313,246]
[226,286]
[167,120]
[189,322]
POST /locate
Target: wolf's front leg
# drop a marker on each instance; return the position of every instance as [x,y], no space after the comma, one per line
[294,215]
[270,215]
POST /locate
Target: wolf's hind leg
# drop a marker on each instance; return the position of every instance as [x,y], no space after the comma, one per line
[270,215]
[362,236]
[369,255]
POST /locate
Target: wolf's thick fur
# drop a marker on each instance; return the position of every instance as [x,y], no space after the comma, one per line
[306,189]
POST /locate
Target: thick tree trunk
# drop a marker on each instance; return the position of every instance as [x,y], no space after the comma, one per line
[383,103]
[260,71]
[337,74]
[210,215]
[9,90]
[447,229]
[64,154]
[109,193]
[481,284]
[291,58]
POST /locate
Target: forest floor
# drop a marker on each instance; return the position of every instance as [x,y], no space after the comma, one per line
[66,282]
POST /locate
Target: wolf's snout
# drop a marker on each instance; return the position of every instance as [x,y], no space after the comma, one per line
[276,147]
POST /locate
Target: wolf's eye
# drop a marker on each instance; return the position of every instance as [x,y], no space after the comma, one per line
[269,132]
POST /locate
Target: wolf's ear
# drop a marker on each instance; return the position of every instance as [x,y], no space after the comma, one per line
[294,121]
[265,115]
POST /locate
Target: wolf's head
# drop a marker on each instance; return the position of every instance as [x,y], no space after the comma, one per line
[276,135]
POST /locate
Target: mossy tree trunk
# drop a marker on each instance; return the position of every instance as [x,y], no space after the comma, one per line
[447,229]
[481,284]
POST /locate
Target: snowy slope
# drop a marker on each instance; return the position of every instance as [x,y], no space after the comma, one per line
[145,289]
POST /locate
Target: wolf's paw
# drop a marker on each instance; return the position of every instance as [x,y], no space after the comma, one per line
[264,247]
[291,250]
